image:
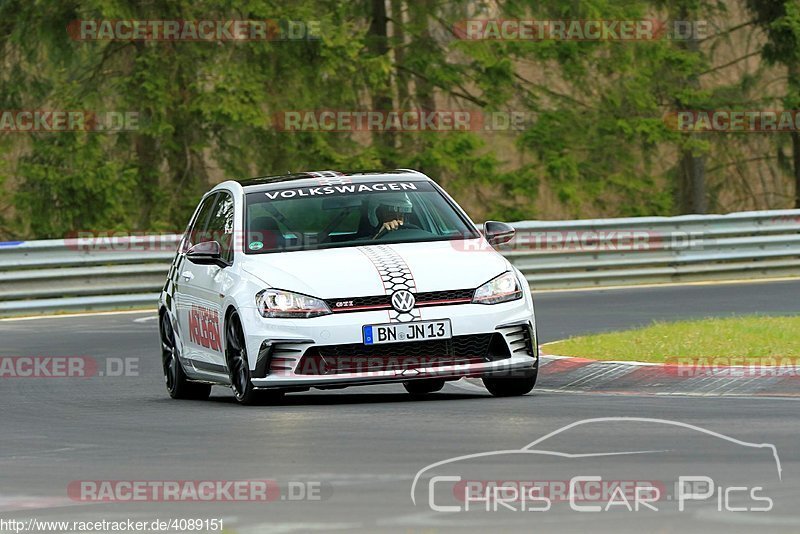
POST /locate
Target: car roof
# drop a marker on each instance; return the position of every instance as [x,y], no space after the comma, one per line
[317,178]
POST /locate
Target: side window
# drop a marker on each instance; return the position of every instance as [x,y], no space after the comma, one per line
[220,225]
[196,232]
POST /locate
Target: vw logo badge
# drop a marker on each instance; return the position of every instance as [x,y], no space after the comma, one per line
[403,301]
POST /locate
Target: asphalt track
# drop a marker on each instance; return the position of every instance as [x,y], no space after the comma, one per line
[362,447]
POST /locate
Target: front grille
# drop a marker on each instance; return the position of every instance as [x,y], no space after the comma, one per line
[453,294]
[357,357]
[355,303]
[378,302]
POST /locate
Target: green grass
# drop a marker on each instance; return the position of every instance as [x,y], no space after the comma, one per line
[748,338]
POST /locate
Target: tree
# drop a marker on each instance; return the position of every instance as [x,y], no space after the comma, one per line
[781,21]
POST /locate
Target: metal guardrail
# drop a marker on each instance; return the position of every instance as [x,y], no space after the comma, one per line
[97,274]
[62,275]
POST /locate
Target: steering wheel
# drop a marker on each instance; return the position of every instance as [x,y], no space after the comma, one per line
[406,226]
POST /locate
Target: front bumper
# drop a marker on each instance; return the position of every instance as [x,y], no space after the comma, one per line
[512,367]
[279,345]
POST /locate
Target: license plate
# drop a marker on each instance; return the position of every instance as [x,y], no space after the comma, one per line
[376,334]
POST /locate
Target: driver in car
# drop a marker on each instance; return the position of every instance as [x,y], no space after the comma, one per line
[388,213]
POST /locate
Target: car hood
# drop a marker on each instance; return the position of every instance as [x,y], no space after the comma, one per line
[354,271]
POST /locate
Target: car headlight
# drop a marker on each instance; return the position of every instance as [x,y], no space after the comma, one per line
[274,303]
[501,289]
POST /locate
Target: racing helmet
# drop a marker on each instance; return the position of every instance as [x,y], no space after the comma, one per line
[391,202]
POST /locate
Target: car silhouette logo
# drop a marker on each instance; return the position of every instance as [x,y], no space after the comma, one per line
[403,301]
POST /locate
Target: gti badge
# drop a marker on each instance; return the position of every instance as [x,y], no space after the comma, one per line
[403,301]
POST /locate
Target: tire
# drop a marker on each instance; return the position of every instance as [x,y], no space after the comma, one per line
[424,386]
[239,367]
[504,386]
[178,385]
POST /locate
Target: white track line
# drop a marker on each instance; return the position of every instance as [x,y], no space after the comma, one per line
[73,315]
[670,284]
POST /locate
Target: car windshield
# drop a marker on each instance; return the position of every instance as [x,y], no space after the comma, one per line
[308,218]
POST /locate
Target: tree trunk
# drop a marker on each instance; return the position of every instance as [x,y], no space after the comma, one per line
[399,38]
[148,172]
[693,167]
[423,40]
[693,171]
[378,44]
[796,150]
[794,97]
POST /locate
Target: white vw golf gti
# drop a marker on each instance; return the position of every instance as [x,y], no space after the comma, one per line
[329,279]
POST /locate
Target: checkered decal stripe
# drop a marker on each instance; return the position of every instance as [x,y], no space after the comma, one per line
[170,287]
[395,276]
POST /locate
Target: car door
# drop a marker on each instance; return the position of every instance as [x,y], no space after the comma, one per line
[204,287]
[183,298]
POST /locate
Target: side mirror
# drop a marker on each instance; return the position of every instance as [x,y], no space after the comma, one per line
[497,233]
[206,253]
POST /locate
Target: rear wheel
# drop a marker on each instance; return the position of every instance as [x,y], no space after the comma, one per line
[505,386]
[423,386]
[178,386]
[239,367]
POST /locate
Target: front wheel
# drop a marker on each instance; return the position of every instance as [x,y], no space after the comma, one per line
[510,386]
[239,367]
[178,386]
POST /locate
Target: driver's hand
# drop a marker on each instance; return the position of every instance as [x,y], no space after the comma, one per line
[392,225]
[389,226]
